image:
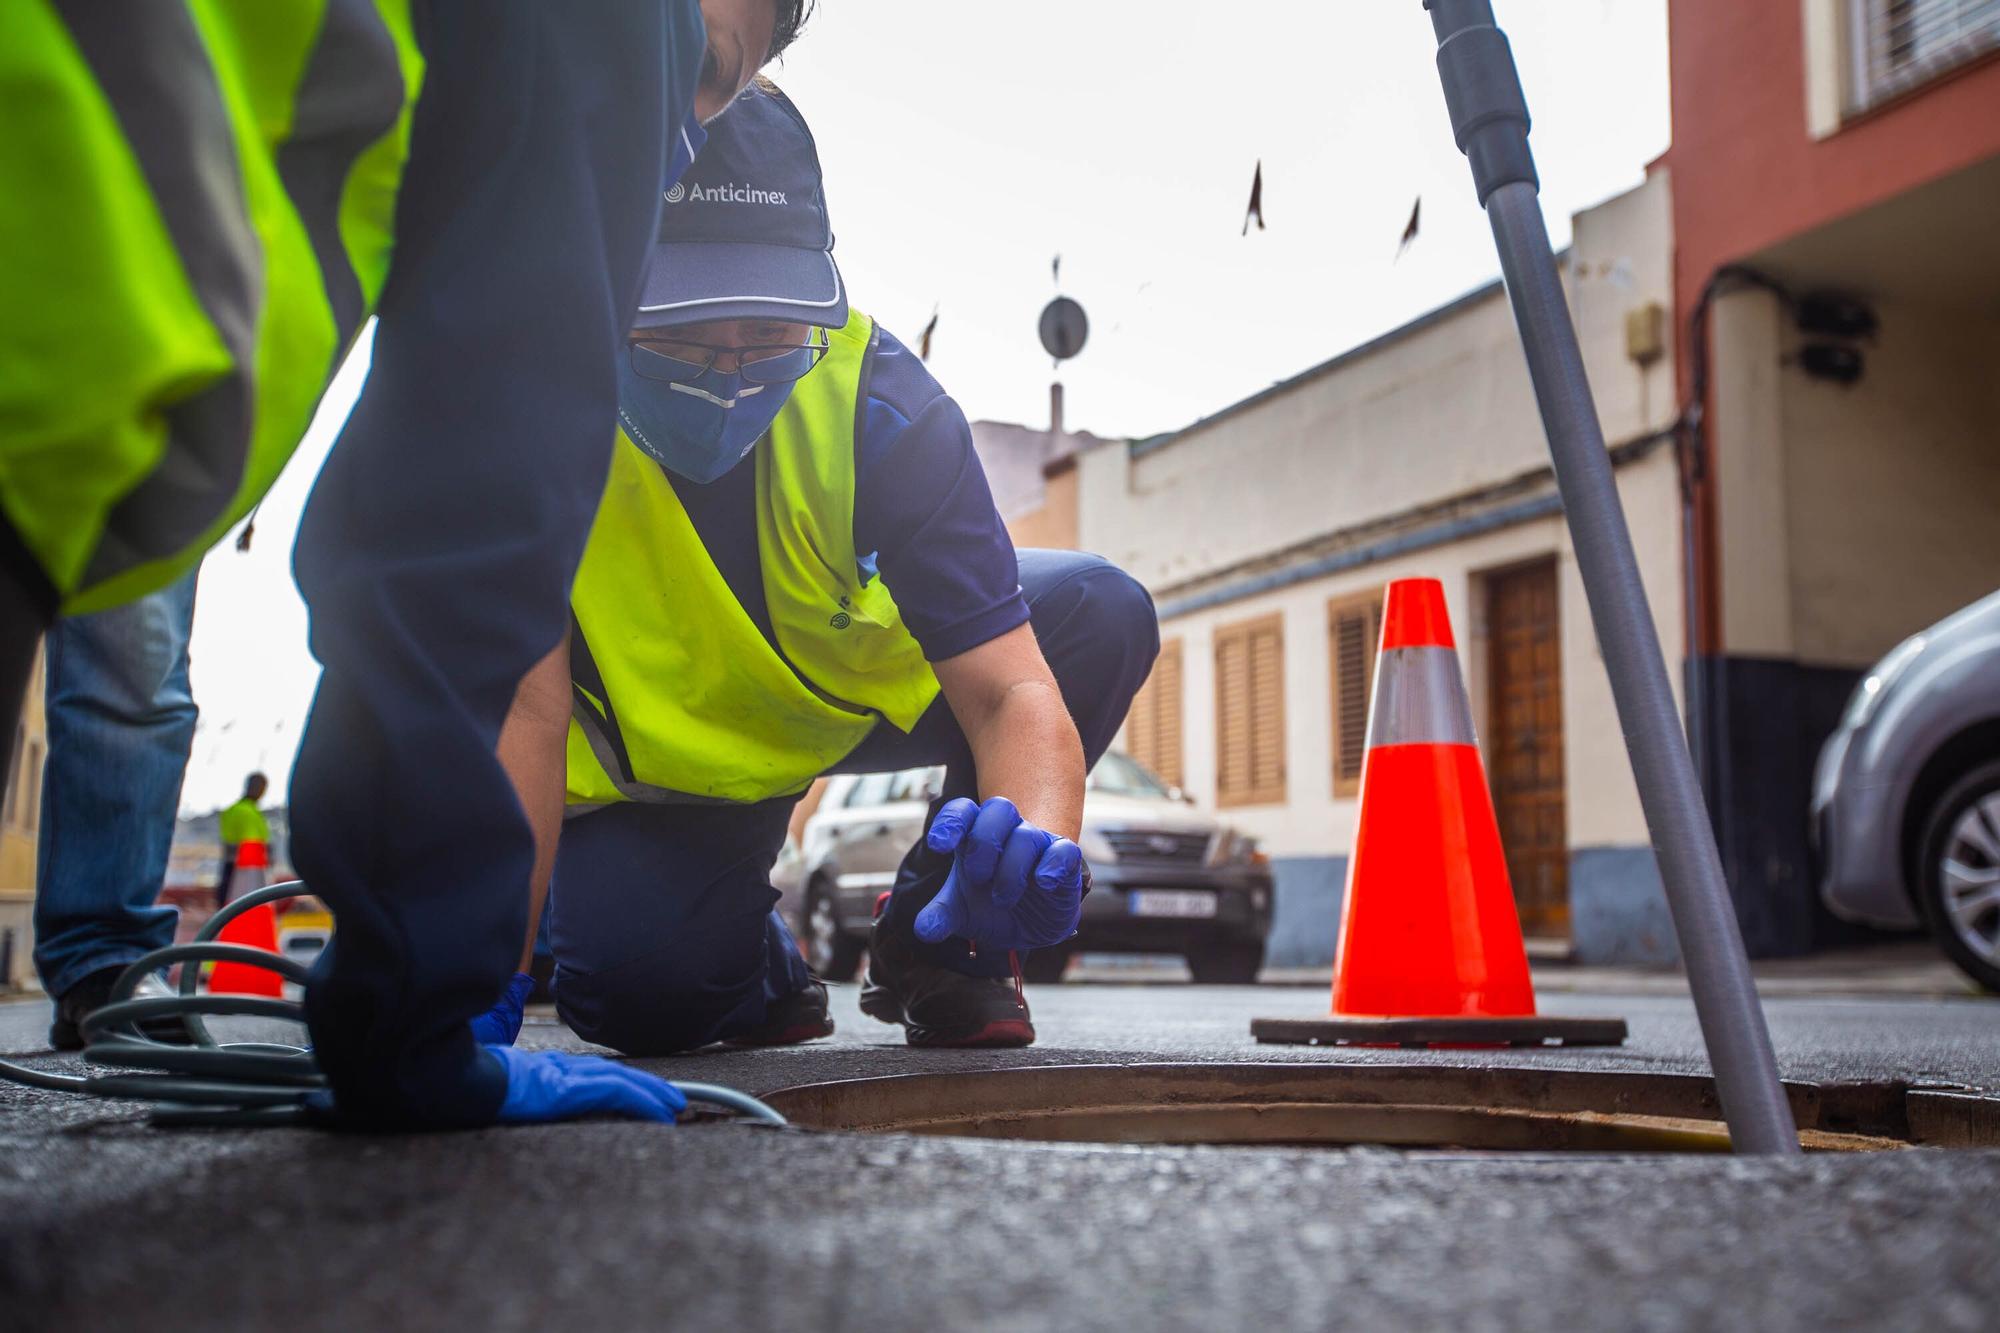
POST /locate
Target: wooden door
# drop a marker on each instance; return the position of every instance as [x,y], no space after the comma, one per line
[1525,742]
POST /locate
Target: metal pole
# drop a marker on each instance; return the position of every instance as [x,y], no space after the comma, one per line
[1490,120]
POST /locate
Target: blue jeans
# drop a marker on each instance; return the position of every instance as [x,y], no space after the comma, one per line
[661,918]
[121,722]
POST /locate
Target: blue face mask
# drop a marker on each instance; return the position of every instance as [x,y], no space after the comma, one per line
[698,427]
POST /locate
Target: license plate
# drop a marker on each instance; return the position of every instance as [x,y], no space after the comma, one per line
[1171,902]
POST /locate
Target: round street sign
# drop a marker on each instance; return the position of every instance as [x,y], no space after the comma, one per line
[1064,328]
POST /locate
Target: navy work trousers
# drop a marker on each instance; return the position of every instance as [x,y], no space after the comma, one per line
[438,548]
[662,927]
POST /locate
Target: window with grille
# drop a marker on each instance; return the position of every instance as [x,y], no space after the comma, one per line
[1153,727]
[1354,629]
[1894,45]
[1250,712]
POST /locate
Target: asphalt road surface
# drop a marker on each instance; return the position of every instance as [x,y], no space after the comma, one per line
[106,1223]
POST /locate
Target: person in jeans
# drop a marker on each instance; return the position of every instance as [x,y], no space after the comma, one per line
[121,721]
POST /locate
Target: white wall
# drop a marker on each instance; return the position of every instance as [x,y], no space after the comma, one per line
[1444,411]
[1750,480]
[1852,516]
[1893,485]
[1603,803]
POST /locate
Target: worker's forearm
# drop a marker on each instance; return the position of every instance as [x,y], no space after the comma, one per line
[1027,750]
[532,751]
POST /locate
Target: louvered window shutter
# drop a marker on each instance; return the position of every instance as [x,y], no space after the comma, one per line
[1250,712]
[1354,629]
[1153,727]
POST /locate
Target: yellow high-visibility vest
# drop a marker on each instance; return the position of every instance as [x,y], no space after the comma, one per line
[679,697]
[197,204]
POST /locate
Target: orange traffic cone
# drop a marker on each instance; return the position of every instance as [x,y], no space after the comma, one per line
[1430,944]
[257,928]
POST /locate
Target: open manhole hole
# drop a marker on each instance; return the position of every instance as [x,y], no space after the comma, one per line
[1399,1106]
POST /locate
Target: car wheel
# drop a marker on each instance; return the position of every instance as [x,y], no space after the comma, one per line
[830,951]
[1228,963]
[1046,966]
[1959,874]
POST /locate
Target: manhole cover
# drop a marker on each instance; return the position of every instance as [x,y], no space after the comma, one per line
[1414,1106]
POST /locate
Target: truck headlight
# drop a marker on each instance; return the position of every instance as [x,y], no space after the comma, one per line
[1221,847]
[1231,848]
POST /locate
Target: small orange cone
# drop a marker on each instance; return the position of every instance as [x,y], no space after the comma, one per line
[257,928]
[1430,943]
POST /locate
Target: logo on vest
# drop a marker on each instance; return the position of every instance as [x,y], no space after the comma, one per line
[729,192]
[841,620]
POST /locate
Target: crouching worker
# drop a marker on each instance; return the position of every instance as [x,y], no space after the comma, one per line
[797,569]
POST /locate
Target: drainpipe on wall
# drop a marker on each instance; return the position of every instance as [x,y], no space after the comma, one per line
[1693,454]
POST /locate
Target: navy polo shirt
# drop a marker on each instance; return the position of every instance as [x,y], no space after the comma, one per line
[924,519]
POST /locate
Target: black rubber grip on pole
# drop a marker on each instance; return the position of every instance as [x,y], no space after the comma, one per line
[1482,90]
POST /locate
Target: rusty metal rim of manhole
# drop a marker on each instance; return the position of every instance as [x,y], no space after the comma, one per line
[1408,1106]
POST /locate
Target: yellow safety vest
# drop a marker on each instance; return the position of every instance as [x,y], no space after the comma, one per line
[679,697]
[197,204]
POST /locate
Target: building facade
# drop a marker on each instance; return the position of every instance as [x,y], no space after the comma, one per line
[20,826]
[1836,173]
[1268,531]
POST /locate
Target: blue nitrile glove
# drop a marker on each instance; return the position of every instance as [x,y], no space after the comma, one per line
[501,1024]
[1012,885]
[554,1085]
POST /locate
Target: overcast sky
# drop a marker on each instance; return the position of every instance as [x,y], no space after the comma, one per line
[965,145]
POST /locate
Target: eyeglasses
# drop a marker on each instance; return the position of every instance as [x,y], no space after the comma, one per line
[666,359]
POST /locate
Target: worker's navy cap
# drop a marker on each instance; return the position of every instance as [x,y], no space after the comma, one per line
[744,232]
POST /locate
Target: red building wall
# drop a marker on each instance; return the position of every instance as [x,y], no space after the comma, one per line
[1747,173]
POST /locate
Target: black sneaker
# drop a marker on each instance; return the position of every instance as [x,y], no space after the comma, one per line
[800,1016]
[66,1030]
[937,1006]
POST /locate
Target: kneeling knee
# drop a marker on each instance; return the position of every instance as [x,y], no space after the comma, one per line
[636,1021]
[1122,601]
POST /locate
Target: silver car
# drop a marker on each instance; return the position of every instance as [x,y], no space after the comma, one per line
[1906,796]
[1167,877]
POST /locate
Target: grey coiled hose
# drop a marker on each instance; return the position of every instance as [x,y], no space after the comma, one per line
[228,1083]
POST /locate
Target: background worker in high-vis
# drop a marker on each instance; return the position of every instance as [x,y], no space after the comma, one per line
[242,825]
[200,203]
[797,569]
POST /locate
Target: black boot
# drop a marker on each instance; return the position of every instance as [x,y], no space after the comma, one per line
[937,1006]
[798,1017]
[66,1031]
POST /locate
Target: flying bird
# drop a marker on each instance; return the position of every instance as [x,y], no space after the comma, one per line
[1055,270]
[1256,209]
[1410,231]
[924,341]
